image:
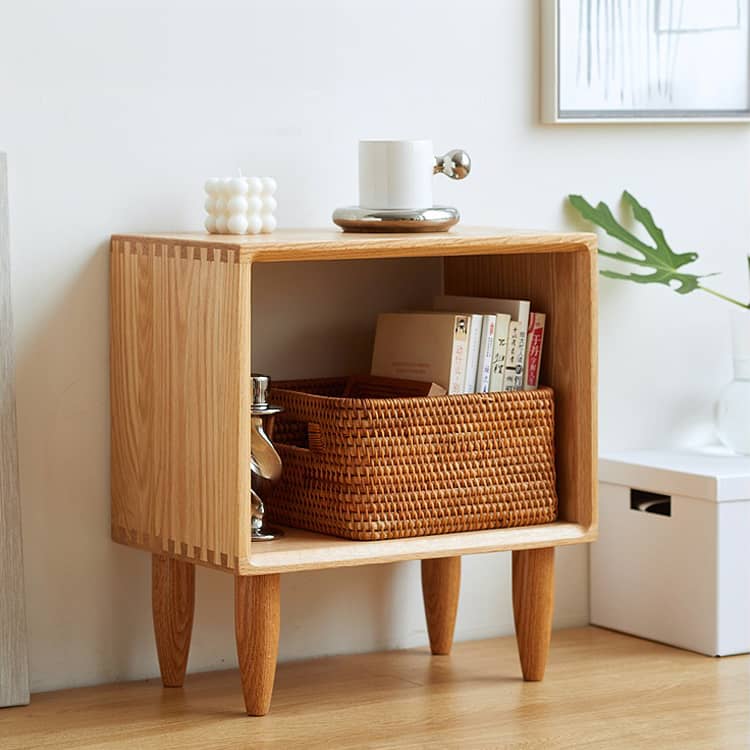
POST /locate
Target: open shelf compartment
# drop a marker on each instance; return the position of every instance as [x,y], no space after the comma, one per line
[180,369]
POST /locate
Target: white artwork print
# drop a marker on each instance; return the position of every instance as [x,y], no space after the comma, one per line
[698,15]
[651,58]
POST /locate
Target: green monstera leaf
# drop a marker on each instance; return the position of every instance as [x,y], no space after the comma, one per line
[661,265]
[662,262]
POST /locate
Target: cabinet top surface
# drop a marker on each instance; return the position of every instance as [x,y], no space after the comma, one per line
[327,244]
[711,473]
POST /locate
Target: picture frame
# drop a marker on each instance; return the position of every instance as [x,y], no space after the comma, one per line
[650,61]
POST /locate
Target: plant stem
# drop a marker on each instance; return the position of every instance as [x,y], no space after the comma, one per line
[733,301]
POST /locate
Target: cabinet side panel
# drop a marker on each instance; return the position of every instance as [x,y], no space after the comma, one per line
[179,373]
[124,381]
[241,538]
[563,285]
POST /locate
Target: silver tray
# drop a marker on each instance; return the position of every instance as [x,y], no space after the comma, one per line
[434,219]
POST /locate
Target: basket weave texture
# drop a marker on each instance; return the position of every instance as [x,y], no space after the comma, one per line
[370,469]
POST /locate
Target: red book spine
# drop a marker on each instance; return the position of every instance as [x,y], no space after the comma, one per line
[534,342]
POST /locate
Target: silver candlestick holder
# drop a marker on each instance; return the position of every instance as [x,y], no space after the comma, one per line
[265,462]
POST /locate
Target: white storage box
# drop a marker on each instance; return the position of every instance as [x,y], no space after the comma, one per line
[672,563]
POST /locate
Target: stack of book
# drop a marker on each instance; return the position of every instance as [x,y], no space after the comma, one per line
[465,345]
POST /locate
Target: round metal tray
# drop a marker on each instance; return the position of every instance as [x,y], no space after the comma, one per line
[434,219]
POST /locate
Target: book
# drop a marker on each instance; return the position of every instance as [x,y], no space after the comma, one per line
[514,357]
[485,354]
[473,352]
[534,343]
[429,347]
[517,309]
[522,334]
[499,352]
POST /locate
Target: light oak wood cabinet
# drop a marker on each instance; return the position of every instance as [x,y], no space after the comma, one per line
[181,308]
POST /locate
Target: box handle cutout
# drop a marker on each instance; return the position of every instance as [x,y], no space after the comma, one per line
[650,502]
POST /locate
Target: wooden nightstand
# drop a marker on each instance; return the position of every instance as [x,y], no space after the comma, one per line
[180,390]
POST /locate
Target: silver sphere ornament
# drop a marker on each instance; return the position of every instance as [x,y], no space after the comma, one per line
[456,164]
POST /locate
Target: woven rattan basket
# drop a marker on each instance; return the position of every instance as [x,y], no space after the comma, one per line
[398,467]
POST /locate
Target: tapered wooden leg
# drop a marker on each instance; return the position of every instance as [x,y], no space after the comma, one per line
[441,583]
[533,602]
[256,624]
[172,605]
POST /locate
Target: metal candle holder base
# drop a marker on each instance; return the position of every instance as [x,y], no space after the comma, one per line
[265,462]
[266,534]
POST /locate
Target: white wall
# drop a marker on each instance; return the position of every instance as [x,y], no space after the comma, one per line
[113,113]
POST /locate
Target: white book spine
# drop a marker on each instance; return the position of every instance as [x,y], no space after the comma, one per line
[523,328]
[460,346]
[472,353]
[521,359]
[499,352]
[511,359]
[485,357]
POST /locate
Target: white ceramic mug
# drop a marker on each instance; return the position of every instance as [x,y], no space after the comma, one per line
[395,174]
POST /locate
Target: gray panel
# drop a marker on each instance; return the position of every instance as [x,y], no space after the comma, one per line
[14,664]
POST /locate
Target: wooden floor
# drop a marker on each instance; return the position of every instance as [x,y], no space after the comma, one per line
[602,690]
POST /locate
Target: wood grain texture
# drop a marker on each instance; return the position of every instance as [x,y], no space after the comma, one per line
[304,550]
[14,663]
[172,607]
[563,285]
[441,584]
[180,364]
[257,621]
[180,373]
[533,606]
[604,691]
[331,244]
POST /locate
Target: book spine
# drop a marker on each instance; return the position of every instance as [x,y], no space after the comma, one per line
[511,358]
[534,343]
[472,355]
[460,345]
[499,352]
[485,357]
[521,354]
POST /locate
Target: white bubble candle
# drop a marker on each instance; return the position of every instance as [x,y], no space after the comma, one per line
[240,205]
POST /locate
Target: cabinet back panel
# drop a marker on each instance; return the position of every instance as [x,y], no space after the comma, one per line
[317,318]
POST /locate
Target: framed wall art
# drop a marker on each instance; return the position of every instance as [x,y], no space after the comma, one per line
[645,60]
